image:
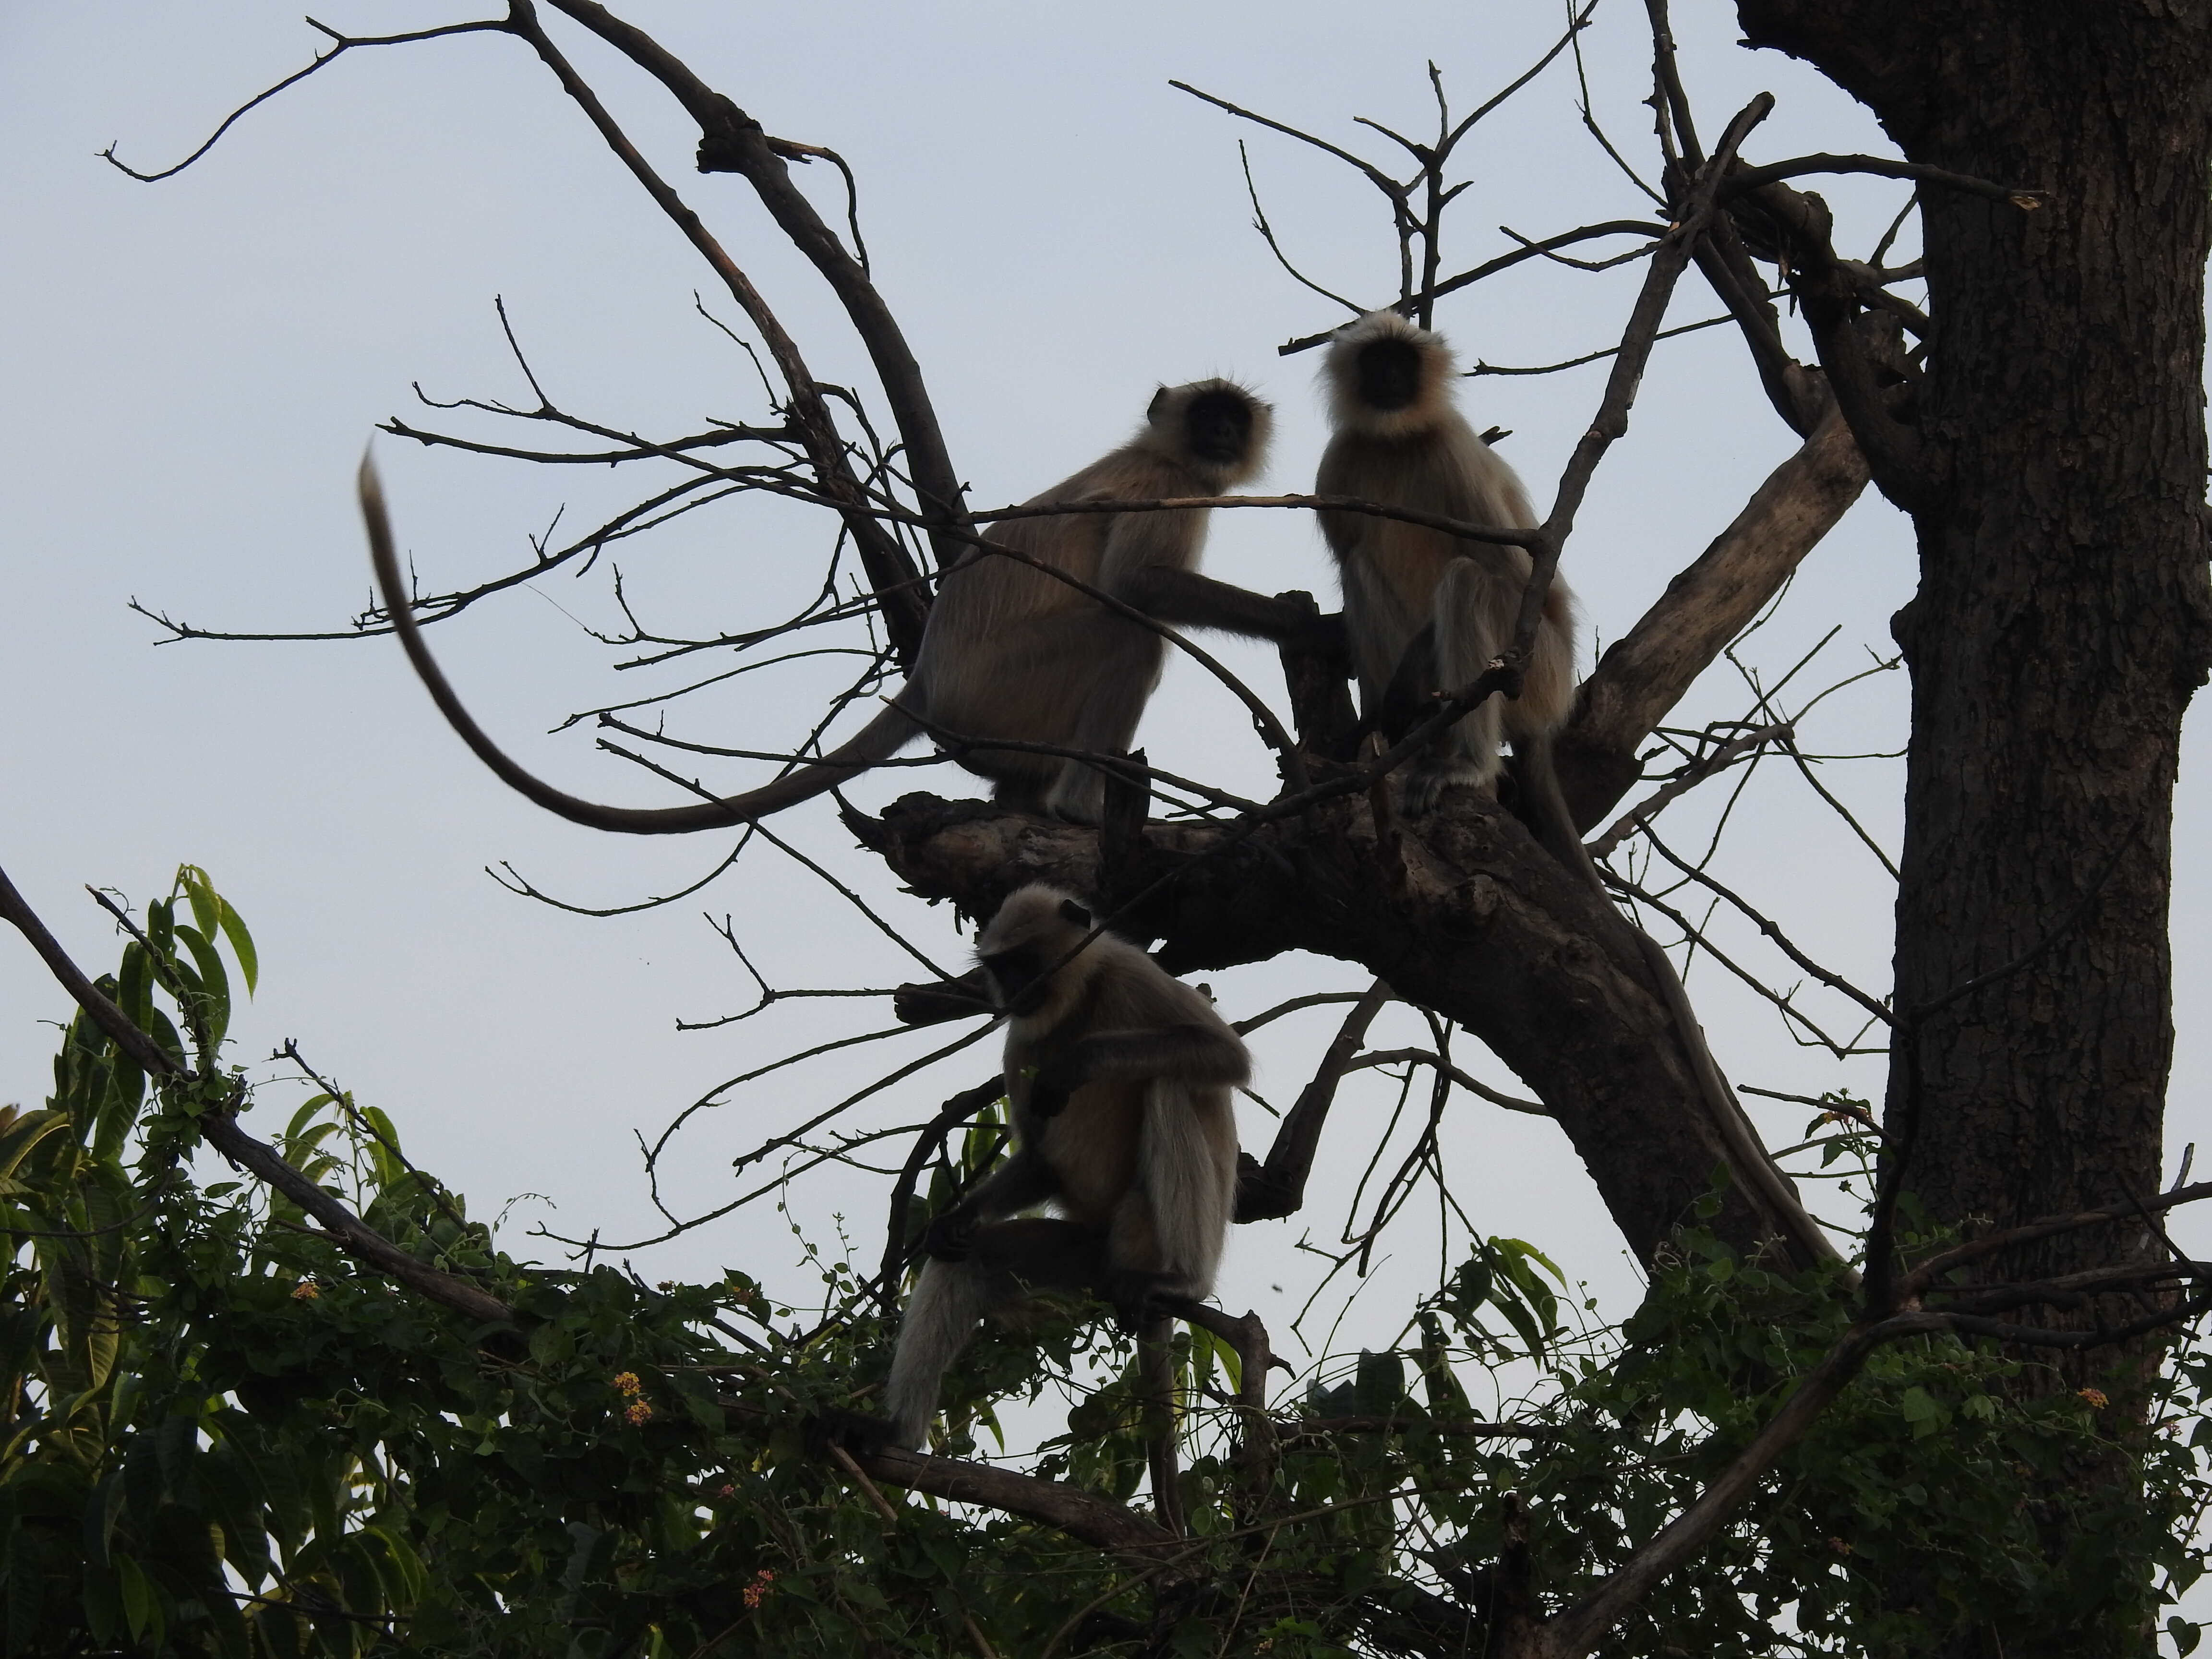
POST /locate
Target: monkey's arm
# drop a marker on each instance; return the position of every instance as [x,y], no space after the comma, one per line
[1184,597]
[1191,1053]
[1022,1180]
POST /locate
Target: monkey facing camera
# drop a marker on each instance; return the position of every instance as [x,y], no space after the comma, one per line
[1425,612]
[1121,1078]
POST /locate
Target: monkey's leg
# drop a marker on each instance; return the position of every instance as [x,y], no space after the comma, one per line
[1040,1253]
[1126,668]
[1021,1181]
[1470,605]
[1134,1272]
[1075,678]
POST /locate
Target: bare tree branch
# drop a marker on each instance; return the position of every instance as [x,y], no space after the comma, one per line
[732,140]
[1645,672]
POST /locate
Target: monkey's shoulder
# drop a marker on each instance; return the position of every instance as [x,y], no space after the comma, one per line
[1445,469]
[1133,472]
[1144,997]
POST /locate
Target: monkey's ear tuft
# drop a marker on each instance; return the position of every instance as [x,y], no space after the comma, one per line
[1074,915]
[1152,409]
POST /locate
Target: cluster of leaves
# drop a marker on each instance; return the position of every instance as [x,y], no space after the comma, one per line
[1903,1517]
[223,1437]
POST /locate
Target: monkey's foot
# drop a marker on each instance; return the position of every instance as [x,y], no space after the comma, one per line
[1078,797]
[859,1432]
[1134,1296]
[1428,781]
[949,1236]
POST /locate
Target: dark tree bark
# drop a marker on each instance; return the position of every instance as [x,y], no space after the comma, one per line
[1471,918]
[2063,620]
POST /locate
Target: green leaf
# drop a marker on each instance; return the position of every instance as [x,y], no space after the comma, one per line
[213,912]
[384,1148]
[1526,1251]
[283,1630]
[214,982]
[1379,1383]
[133,984]
[402,1570]
[305,1114]
[1523,1322]
[199,892]
[158,1027]
[101,1342]
[1927,1414]
[161,926]
[139,1611]
[299,1146]
[2186,1636]
[26,1132]
[24,1582]
[1232,1363]
[119,1109]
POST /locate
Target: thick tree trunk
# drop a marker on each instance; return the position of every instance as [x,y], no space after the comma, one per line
[2063,620]
[2059,630]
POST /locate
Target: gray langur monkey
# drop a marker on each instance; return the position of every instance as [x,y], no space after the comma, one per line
[1120,1077]
[1424,611]
[1009,652]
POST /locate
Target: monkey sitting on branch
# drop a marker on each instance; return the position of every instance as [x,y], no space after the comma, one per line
[1425,612]
[1009,652]
[1119,1079]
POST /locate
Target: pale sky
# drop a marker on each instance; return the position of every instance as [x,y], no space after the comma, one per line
[194,367]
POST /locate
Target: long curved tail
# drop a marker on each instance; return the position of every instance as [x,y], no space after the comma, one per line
[882,738]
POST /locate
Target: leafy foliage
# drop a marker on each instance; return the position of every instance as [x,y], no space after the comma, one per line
[225,1437]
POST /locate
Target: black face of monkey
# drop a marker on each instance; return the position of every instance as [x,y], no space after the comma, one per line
[1020,972]
[1389,374]
[1015,977]
[1218,427]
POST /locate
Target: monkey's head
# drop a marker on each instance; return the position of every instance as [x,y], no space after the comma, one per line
[1215,428]
[1386,378]
[1022,951]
